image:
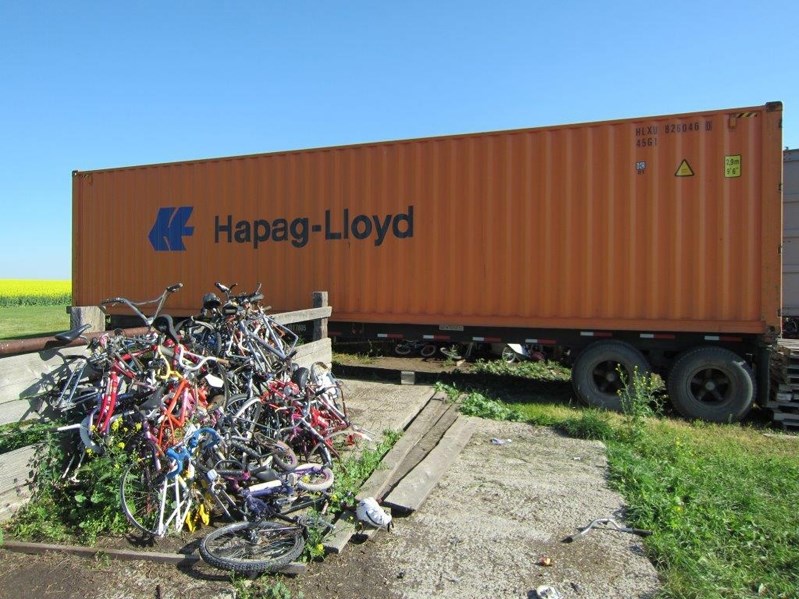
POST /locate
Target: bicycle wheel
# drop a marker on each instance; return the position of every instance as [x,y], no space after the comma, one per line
[428,350]
[402,348]
[314,477]
[251,547]
[282,455]
[244,413]
[143,494]
[508,355]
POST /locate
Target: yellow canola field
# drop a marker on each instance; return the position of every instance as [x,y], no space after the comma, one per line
[21,292]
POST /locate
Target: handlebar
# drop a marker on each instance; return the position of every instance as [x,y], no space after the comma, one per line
[180,455]
[178,352]
[608,524]
[160,300]
[254,297]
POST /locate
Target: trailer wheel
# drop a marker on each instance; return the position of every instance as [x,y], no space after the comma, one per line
[713,384]
[596,378]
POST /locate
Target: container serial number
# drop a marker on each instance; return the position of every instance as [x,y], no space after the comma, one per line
[688,127]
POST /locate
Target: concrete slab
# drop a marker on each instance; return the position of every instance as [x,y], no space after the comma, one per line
[378,407]
[378,483]
[411,492]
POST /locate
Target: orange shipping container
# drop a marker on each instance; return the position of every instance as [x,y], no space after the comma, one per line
[648,243]
[667,223]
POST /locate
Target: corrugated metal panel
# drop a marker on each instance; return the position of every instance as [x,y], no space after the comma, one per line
[790,253]
[630,224]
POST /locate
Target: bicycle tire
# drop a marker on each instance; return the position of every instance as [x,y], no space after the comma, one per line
[141,492]
[251,547]
[402,348]
[313,477]
[245,413]
[428,350]
[282,454]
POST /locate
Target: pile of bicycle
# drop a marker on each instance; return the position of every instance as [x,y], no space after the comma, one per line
[221,422]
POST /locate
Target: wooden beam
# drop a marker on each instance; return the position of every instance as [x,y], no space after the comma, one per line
[302,315]
[177,559]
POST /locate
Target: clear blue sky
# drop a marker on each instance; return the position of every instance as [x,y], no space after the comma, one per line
[88,85]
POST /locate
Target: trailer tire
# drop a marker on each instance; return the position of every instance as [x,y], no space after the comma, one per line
[712,384]
[595,376]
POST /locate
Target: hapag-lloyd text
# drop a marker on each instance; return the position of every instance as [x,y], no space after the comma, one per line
[298,230]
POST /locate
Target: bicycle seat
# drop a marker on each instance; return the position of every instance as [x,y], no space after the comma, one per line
[71,335]
[265,474]
[164,324]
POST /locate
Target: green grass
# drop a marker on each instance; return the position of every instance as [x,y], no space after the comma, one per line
[20,322]
[721,499]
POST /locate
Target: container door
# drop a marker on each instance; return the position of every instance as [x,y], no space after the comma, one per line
[790,255]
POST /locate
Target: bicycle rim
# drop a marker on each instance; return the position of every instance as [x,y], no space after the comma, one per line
[282,454]
[142,491]
[313,477]
[253,546]
[428,351]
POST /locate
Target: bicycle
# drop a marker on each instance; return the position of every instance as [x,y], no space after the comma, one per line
[405,347]
[269,538]
[154,494]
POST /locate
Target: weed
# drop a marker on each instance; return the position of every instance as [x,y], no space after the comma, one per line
[540,371]
[589,423]
[639,395]
[102,560]
[451,391]
[262,588]
[357,358]
[477,404]
[353,470]
[81,505]
[21,434]
[317,527]
[640,399]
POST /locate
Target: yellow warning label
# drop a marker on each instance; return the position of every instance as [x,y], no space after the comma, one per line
[732,166]
[684,170]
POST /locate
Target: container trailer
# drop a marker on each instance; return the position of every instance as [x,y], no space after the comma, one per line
[651,243]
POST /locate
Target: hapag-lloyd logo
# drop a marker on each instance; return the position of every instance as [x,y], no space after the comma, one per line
[298,231]
[171,227]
